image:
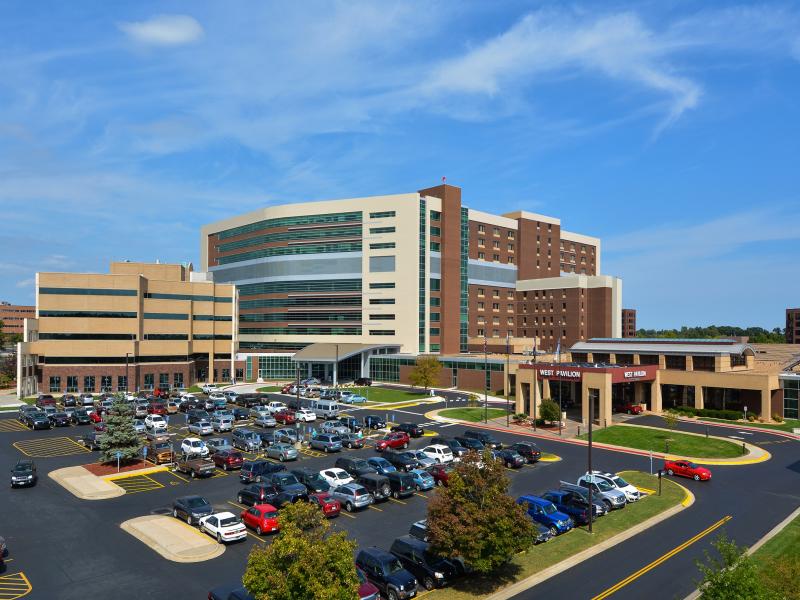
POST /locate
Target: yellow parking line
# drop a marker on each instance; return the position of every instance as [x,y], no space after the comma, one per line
[236,504]
[646,491]
[374,508]
[178,476]
[251,534]
[420,495]
[397,501]
[347,514]
[618,586]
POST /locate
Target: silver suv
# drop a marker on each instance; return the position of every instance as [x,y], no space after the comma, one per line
[601,490]
[246,440]
[352,496]
[327,442]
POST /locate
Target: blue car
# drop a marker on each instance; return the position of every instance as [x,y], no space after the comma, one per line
[356,399]
[381,465]
[545,512]
[422,479]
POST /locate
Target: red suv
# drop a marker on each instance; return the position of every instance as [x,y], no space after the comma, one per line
[261,517]
[157,408]
[286,417]
[228,459]
[441,473]
[395,440]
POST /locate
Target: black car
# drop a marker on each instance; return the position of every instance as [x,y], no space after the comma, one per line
[80,417]
[68,400]
[37,420]
[24,410]
[486,438]
[296,403]
[510,458]
[363,381]
[232,591]
[286,482]
[374,422]
[24,473]
[470,443]
[457,449]
[267,437]
[258,470]
[385,571]
[528,450]
[351,423]
[401,484]
[258,493]
[247,400]
[311,479]
[196,415]
[419,530]
[412,429]
[355,466]
[241,414]
[191,508]
[570,503]
[431,570]
[284,498]
[92,440]
[59,419]
[377,485]
[403,461]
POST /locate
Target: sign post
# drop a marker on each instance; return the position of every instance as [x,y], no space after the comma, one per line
[651,462]
[119,455]
[745,413]
[144,454]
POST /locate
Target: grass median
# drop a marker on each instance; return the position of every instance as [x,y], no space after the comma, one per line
[381,394]
[472,414]
[779,561]
[269,388]
[643,438]
[564,546]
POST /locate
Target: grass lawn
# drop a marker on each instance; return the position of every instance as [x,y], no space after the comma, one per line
[270,388]
[381,394]
[557,549]
[643,438]
[779,561]
[787,425]
[471,414]
[194,390]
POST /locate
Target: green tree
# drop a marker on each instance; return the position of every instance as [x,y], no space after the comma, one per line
[548,410]
[426,371]
[120,436]
[305,560]
[474,518]
[732,575]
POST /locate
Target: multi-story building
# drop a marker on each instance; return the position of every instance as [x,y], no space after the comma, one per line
[406,274]
[13,316]
[140,327]
[628,322]
[793,325]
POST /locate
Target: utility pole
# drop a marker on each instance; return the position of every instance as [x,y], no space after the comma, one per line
[591,422]
[508,378]
[485,383]
[336,371]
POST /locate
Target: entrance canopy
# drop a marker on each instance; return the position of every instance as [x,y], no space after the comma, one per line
[329,353]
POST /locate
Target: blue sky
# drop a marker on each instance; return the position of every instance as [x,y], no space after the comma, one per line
[669,129]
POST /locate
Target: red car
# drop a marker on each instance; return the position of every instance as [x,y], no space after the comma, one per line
[684,468]
[261,517]
[95,417]
[285,389]
[440,473]
[630,408]
[101,426]
[285,416]
[330,506]
[366,589]
[395,440]
[157,408]
[228,459]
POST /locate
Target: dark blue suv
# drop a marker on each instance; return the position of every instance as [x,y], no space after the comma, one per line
[386,572]
[570,503]
[545,512]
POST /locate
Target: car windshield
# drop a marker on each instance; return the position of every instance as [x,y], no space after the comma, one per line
[691,465]
[549,508]
[271,515]
[195,443]
[287,479]
[604,486]
[228,521]
[620,481]
[196,502]
[342,475]
[394,566]
[22,468]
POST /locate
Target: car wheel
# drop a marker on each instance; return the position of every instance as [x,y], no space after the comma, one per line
[395,494]
[428,583]
[202,528]
[348,507]
[281,458]
[439,482]
[608,505]
[258,530]
[175,512]
[697,477]
[419,489]
[193,474]
[219,538]
[326,449]
[224,466]
[553,531]
[188,519]
[258,479]
[405,445]
[392,594]
[669,472]
[240,499]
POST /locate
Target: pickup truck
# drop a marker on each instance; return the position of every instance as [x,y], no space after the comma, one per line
[159,450]
[195,466]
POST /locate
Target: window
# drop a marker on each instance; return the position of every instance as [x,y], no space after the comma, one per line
[510,234]
[55,383]
[495,333]
[382,317]
[163,381]
[495,306]
[382,214]
[382,246]
[94,314]
[347,217]
[122,383]
[435,347]
[511,247]
[436,301]
[166,336]
[481,291]
[149,381]
[105,383]
[495,231]
[177,380]
[481,242]
[381,229]
[510,307]
[436,285]
[86,292]
[72,383]
[435,317]
[481,332]
[496,257]
[171,316]
[226,374]
[239,374]
[382,286]
[481,256]
[481,306]
[381,264]
[381,300]
[212,317]
[434,331]
[436,215]
[436,247]
[381,331]
[436,231]
[495,320]
[481,228]
[88,383]
[510,294]
[510,321]
[496,245]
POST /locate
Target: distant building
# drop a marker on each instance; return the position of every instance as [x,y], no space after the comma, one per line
[793,325]
[628,322]
[13,316]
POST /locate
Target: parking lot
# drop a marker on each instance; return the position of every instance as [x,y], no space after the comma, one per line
[65,547]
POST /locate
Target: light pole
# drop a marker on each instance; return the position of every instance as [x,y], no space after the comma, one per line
[508,377]
[485,384]
[591,422]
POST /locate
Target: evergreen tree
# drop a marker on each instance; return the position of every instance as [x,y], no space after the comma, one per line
[120,436]
[548,410]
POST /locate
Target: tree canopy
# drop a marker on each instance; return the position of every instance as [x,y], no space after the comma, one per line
[733,575]
[426,371]
[756,335]
[120,436]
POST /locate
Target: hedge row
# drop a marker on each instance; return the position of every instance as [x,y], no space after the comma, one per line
[728,415]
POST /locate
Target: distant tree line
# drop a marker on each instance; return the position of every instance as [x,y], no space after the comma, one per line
[756,335]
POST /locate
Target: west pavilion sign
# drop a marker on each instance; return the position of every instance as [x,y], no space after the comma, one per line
[575,373]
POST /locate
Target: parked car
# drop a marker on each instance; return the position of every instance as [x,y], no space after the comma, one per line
[86,400]
[327,442]
[195,466]
[228,459]
[352,496]
[224,526]
[456,448]
[431,570]
[352,424]
[329,505]
[601,491]
[403,461]
[157,408]
[412,429]
[138,426]
[59,419]
[510,458]
[305,415]
[81,417]
[356,399]
[201,428]
[334,426]
[45,400]
[570,503]
[402,484]
[374,422]
[218,444]
[24,410]
[285,416]
[159,450]
[258,470]
[470,443]
[419,529]
[257,493]
[263,418]
[440,473]
[282,452]
[23,475]
[545,512]
[286,481]
[528,450]
[267,438]
[386,572]
[599,508]
[172,407]
[191,508]
[287,435]
[354,465]
[631,408]
[37,420]
[422,479]
[439,452]
[395,440]
[240,413]
[381,465]
[486,438]
[275,406]
[353,441]
[632,493]
[68,400]
[222,423]
[154,423]
[336,476]
[686,468]
[312,480]
[208,388]
[192,446]
[377,485]
[246,440]
[261,517]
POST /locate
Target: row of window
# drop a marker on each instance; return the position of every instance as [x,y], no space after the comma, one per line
[295,330]
[109,314]
[381,332]
[324,248]
[302,301]
[193,297]
[382,317]
[185,337]
[495,245]
[382,214]
[87,291]
[496,231]
[382,246]
[120,360]
[381,229]
[381,286]
[90,383]
[496,258]
[495,306]
[87,336]
[347,217]
[286,317]
[312,285]
[291,236]
[496,293]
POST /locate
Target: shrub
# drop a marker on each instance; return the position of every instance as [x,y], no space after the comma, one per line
[521,417]
[777,418]
[549,410]
[751,417]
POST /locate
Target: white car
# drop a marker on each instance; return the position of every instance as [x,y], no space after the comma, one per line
[224,526]
[217,396]
[439,452]
[209,387]
[274,407]
[305,415]
[222,423]
[194,447]
[336,476]
[201,428]
[632,493]
[155,423]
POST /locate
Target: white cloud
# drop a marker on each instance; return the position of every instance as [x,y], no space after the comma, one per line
[164,30]
[25,283]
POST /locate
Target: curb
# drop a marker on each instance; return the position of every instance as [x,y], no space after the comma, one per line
[147,471]
[529,582]
[732,425]
[66,477]
[162,544]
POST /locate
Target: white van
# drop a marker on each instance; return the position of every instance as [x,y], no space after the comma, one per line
[325,409]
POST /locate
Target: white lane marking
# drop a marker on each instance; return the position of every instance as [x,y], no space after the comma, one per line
[735,437]
[744,432]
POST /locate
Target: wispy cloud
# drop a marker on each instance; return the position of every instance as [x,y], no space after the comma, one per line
[164,30]
[25,283]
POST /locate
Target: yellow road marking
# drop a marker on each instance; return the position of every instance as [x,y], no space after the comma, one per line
[239,505]
[251,534]
[140,483]
[397,501]
[181,477]
[9,425]
[616,587]
[420,495]
[50,447]
[14,585]
[346,514]
[646,491]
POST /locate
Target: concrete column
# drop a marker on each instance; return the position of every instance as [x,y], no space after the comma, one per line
[546,389]
[689,362]
[655,396]
[699,400]
[638,392]
[766,405]
[335,373]
[606,413]
[590,357]
[210,369]
[637,360]
[612,358]
[662,361]
[365,363]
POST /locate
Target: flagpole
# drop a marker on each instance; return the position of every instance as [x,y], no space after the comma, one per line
[535,384]
[558,359]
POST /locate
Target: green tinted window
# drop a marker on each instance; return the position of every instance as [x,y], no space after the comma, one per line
[347,217]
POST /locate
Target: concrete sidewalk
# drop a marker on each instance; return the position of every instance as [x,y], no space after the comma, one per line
[9,400]
[173,539]
[84,485]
